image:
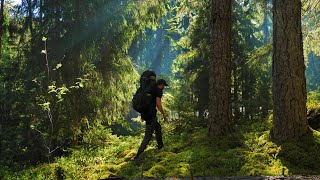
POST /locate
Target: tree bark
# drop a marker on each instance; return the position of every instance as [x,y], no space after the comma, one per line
[1,23]
[30,17]
[288,75]
[41,14]
[220,70]
[235,91]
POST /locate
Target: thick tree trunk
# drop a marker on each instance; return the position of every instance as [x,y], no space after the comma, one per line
[220,70]
[288,75]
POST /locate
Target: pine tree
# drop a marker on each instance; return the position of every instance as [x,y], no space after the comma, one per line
[220,70]
[288,76]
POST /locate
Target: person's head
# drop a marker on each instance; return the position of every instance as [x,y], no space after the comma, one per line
[161,83]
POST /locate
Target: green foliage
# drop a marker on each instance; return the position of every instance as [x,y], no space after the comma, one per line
[98,136]
[4,172]
[247,152]
[311,30]
[313,99]
[190,78]
[251,56]
[101,156]
[63,103]
[73,72]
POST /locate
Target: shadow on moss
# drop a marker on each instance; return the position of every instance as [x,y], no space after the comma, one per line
[302,156]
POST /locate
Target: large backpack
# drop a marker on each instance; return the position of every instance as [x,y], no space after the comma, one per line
[142,99]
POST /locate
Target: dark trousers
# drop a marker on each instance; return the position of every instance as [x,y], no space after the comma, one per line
[153,127]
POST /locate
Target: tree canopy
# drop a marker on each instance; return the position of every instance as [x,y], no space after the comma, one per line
[69,69]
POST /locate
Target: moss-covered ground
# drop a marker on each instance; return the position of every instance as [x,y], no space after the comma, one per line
[247,152]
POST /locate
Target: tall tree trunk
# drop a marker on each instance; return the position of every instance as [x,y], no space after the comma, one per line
[76,43]
[288,75]
[41,14]
[266,23]
[76,52]
[33,51]
[245,91]
[220,69]
[30,17]
[1,23]
[235,91]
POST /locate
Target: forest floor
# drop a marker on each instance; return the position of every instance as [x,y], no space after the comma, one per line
[246,154]
[246,178]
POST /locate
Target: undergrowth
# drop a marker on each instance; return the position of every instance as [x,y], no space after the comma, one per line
[247,152]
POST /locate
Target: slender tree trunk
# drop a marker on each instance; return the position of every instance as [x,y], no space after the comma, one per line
[220,69]
[30,17]
[1,23]
[33,51]
[76,52]
[266,23]
[41,14]
[236,91]
[288,76]
[76,43]
[245,90]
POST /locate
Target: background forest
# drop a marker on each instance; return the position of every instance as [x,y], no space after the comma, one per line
[69,69]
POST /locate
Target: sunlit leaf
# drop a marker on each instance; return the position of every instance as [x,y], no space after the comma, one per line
[58,66]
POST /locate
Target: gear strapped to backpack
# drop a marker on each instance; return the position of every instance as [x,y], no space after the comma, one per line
[142,99]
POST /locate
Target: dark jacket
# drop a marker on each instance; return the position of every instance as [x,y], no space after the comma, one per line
[155,92]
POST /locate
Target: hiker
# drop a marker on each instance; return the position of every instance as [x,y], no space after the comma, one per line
[150,117]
